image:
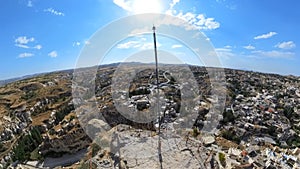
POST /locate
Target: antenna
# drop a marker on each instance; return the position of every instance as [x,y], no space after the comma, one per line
[157,99]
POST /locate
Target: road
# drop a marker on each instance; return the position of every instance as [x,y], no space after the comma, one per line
[65,160]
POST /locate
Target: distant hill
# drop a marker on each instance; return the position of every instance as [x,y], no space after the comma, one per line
[4,82]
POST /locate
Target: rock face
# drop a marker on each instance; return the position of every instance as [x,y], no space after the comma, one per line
[136,149]
[70,142]
[146,154]
[96,126]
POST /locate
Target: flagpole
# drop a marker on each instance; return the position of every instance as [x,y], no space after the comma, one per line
[157,99]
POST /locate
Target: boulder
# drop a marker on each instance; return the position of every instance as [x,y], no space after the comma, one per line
[208,140]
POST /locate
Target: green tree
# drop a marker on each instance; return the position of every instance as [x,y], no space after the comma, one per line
[95,148]
[27,144]
[228,117]
[2,147]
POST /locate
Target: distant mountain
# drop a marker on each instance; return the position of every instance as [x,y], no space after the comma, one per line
[4,82]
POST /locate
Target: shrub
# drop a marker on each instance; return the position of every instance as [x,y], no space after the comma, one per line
[195,132]
[288,112]
[294,141]
[61,113]
[231,135]
[28,95]
[2,147]
[222,159]
[87,165]
[95,148]
[228,117]
[35,155]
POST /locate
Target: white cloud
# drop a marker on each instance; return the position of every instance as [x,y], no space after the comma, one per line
[140,6]
[54,12]
[176,46]
[25,55]
[127,45]
[286,45]
[171,11]
[225,53]
[29,3]
[198,20]
[141,45]
[173,3]
[249,47]
[23,40]
[228,53]
[38,47]
[140,30]
[22,46]
[149,45]
[223,49]
[265,36]
[228,46]
[274,54]
[87,42]
[146,46]
[53,54]
[76,43]
[125,4]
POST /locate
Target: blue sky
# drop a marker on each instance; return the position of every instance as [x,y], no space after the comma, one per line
[45,35]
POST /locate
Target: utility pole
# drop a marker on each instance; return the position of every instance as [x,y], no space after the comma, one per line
[157,99]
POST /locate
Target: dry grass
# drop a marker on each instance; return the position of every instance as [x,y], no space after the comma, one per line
[226,143]
[38,120]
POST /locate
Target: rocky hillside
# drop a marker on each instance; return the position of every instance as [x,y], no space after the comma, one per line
[43,104]
[259,125]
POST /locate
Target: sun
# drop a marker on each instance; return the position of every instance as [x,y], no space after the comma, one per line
[147,6]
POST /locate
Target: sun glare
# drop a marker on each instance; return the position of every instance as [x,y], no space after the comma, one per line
[147,6]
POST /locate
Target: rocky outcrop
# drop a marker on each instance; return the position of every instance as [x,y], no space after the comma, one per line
[70,142]
[136,149]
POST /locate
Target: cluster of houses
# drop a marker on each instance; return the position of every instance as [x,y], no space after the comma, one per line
[264,107]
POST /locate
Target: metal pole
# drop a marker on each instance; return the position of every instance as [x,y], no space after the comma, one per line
[157,79]
[157,99]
